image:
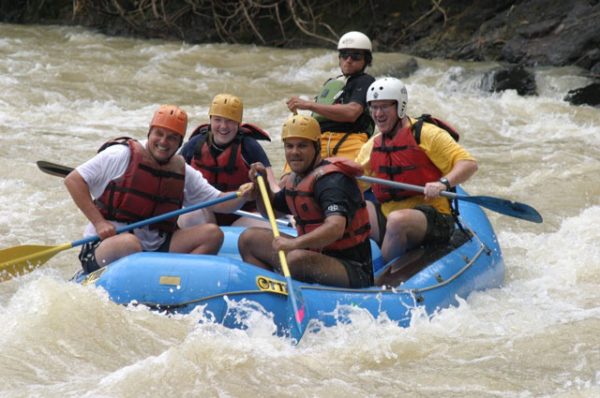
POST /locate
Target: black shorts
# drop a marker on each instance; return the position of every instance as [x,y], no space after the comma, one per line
[440,226]
[87,254]
[359,274]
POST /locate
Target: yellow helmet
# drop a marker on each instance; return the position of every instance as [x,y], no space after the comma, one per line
[227,106]
[170,117]
[300,126]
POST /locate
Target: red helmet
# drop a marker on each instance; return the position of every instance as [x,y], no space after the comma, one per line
[170,117]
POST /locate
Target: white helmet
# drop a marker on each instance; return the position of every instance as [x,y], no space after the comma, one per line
[389,88]
[355,40]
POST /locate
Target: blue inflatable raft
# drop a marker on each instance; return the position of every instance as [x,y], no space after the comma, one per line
[429,277]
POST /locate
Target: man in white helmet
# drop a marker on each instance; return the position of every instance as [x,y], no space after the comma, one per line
[428,156]
[341,107]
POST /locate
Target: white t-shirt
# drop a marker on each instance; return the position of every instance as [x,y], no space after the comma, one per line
[111,164]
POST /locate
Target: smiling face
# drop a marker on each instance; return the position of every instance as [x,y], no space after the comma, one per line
[224,130]
[163,143]
[384,115]
[300,154]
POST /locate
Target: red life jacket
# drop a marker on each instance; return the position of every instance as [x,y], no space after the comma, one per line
[309,215]
[402,160]
[228,170]
[145,190]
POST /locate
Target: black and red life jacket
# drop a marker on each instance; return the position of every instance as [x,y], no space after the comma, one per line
[413,163]
[145,190]
[228,170]
[400,159]
[309,215]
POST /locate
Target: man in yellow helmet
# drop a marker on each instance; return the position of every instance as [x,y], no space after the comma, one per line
[129,181]
[341,107]
[223,151]
[332,246]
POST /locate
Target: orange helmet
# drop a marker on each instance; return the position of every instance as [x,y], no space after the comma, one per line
[170,117]
[227,106]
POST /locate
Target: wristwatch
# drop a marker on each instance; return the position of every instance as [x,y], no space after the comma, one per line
[445,181]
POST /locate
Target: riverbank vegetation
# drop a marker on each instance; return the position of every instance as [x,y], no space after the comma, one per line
[531,32]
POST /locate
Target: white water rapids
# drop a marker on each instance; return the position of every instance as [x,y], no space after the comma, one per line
[65,91]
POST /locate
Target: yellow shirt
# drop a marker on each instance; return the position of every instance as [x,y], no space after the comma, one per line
[441,149]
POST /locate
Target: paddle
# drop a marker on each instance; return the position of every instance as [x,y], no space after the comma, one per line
[62,171]
[20,260]
[294,295]
[502,206]
[53,168]
[256,216]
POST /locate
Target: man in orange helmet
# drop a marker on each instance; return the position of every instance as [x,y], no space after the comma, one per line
[332,247]
[129,181]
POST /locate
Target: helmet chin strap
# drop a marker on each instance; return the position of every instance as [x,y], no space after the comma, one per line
[395,127]
[317,153]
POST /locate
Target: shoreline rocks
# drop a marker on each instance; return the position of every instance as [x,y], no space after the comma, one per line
[526,33]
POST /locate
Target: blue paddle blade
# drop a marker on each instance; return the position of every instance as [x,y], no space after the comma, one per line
[506,207]
[298,318]
[499,205]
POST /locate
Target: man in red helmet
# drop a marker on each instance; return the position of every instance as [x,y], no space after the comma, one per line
[128,181]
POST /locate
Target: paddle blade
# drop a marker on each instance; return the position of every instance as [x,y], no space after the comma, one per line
[20,260]
[506,207]
[295,301]
[503,206]
[296,311]
[53,168]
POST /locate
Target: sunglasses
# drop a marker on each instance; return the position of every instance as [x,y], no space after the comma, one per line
[356,56]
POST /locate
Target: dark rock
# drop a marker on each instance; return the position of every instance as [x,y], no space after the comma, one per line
[553,33]
[528,32]
[532,32]
[403,70]
[510,78]
[588,95]
[589,59]
[539,29]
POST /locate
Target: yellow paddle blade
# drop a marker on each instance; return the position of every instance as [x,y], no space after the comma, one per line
[20,260]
